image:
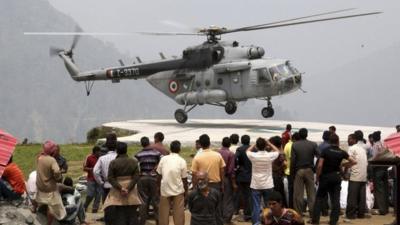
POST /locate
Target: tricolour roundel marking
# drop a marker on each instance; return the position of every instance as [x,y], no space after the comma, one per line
[173,86]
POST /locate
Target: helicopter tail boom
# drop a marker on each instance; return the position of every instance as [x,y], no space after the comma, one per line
[70,66]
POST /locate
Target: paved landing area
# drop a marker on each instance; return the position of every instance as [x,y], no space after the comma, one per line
[217,129]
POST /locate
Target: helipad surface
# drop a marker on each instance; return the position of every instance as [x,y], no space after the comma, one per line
[218,128]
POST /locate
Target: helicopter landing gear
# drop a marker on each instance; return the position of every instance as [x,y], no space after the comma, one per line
[230,107]
[268,111]
[181,114]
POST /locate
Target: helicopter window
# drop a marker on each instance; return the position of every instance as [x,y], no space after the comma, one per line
[207,83]
[220,81]
[291,68]
[263,75]
[284,70]
[198,84]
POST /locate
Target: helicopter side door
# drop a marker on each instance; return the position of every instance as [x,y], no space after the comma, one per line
[236,85]
[260,82]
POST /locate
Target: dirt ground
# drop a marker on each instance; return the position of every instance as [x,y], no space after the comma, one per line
[374,220]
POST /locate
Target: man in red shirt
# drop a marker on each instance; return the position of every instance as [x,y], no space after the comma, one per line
[94,190]
[158,144]
[287,135]
[12,183]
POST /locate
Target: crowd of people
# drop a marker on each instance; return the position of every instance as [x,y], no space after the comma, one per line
[265,181]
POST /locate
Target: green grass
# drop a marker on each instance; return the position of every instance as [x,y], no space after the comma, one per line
[25,157]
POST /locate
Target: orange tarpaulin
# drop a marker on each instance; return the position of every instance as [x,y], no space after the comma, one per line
[393,143]
[7,146]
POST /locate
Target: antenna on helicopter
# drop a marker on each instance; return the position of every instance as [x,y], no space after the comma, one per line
[162,55]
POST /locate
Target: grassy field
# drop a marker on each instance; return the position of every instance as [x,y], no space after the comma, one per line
[25,157]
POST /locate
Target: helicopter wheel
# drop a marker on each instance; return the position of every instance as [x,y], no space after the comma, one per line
[181,116]
[230,107]
[267,112]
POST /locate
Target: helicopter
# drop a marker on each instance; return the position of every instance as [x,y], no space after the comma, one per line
[215,72]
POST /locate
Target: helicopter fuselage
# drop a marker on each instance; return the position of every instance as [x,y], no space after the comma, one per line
[240,74]
[215,73]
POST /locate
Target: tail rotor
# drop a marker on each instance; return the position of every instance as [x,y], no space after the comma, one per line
[55,51]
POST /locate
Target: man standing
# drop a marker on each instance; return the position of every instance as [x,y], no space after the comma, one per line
[380,177]
[262,183]
[211,162]
[93,190]
[329,179]
[61,161]
[332,129]
[172,171]
[302,167]
[111,140]
[325,141]
[148,160]
[234,138]
[243,177]
[278,167]
[289,175]
[12,183]
[158,145]
[230,186]
[48,174]
[321,147]
[287,135]
[100,169]
[356,195]
[204,203]
[120,207]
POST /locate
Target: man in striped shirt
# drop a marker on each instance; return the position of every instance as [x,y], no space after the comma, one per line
[147,185]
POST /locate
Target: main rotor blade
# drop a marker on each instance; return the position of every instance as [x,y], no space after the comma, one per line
[75,33]
[301,22]
[109,34]
[171,33]
[293,19]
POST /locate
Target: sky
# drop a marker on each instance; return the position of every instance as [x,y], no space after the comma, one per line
[315,49]
[338,41]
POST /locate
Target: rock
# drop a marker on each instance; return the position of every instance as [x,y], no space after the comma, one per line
[12,215]
[29,220]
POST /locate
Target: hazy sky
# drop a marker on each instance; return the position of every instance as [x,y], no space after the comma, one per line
[315,49]
[327,44]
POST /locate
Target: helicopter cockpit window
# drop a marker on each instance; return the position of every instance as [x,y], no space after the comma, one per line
[274,73]
[291,68]
[263,75]
[284,70]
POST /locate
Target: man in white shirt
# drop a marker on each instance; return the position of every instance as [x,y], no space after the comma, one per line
[261,180]
[172,179]
[356,196]
[100,170]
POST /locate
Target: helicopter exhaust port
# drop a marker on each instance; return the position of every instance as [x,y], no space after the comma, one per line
[255,52]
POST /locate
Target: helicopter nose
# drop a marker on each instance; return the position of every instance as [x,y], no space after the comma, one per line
[297,79]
